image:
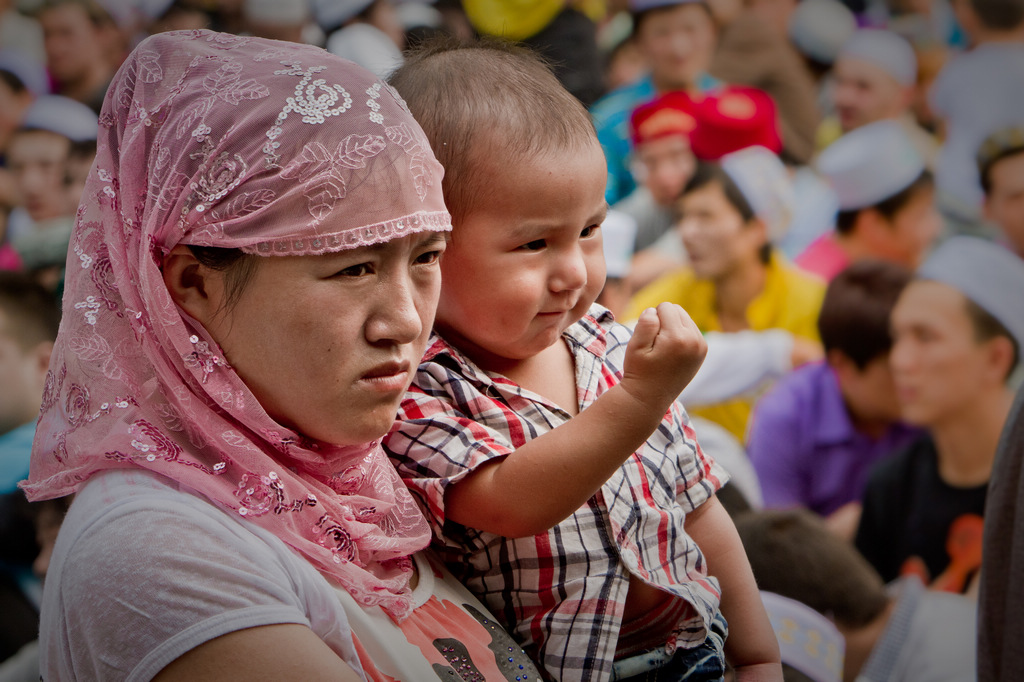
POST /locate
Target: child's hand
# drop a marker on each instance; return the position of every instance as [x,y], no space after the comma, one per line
[663,356]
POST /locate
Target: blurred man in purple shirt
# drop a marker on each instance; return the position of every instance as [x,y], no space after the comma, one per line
[816,434]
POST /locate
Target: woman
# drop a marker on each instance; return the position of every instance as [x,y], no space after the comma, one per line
[254,276]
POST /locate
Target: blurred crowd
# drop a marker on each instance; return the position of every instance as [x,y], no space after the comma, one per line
[833,190]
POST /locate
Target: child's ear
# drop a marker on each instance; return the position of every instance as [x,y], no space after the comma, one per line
[196,288]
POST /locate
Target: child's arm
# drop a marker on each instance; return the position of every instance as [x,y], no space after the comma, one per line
[751,646]
[553,475]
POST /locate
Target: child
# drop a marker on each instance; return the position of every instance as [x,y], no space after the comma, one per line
[524,431]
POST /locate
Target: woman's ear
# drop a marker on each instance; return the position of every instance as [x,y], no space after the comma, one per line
[196,288]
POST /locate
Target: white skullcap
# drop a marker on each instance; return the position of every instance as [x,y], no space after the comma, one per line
[413,14]
[62,115]
[870,164]
[154,9]
[820,28]
[330,14]
[29,71]
[618,232]
[288,12]
[984,272]
[886,50]
[765,184]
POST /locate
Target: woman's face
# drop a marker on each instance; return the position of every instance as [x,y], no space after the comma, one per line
[328,344]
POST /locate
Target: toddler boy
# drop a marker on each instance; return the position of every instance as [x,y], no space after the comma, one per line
[562,480]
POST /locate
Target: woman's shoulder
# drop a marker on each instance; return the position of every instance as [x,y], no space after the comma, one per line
[143,561]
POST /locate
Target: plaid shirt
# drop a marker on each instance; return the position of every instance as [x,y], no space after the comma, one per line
[562,593]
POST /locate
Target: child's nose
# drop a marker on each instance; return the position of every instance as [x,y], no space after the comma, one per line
[570,271]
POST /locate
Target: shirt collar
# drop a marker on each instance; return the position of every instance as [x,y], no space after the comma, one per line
[588,334]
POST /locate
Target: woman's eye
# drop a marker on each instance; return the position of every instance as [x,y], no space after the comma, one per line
[429,257]
[355,270]
[535,245]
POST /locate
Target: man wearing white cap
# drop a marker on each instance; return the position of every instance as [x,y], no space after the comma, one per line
[367,32]
[54,129]
[736,281]
[885,197]
[875,76]
[677,39]
[957,333]
[1001,170]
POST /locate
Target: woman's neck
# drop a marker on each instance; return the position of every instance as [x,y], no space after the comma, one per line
[966,443]
[735,291]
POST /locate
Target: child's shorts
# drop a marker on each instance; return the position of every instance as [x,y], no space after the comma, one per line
[698,664]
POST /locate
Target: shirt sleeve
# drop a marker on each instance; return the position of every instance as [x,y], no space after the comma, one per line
[774,448]
[434,443]
[737,363]
[147,581]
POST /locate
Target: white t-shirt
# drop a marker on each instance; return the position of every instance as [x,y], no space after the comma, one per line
[144,571]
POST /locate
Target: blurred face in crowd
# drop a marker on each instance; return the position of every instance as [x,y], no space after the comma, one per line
[938,364]
[1004,202]
[72,42]
[664,165]
[384,16]
[905,237]
[774,13]
[718,242]
[37,159]
[12,110]
[865,93]
[678,43]
[22,375]
[869,392]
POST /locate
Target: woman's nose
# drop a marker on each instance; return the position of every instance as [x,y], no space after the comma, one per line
[397,316]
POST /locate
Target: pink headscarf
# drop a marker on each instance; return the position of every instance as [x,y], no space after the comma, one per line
[275,148]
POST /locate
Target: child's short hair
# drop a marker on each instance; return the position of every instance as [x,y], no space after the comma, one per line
[467,95]
[1000,15]
[33,315]
[793,554]
[855,312]
[889,207]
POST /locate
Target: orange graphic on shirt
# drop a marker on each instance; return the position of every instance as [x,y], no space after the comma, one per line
[963,545]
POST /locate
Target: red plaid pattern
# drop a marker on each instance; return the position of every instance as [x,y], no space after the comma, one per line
[561,594]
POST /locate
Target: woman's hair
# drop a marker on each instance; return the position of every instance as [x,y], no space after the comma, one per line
[238,268]
[888,207]
[710,173]
[793,554]
[487,99]
[855,312]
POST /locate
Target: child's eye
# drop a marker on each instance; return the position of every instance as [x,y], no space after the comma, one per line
[589,231]
[535,245]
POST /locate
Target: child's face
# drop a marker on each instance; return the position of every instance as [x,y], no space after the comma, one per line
[526,261]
